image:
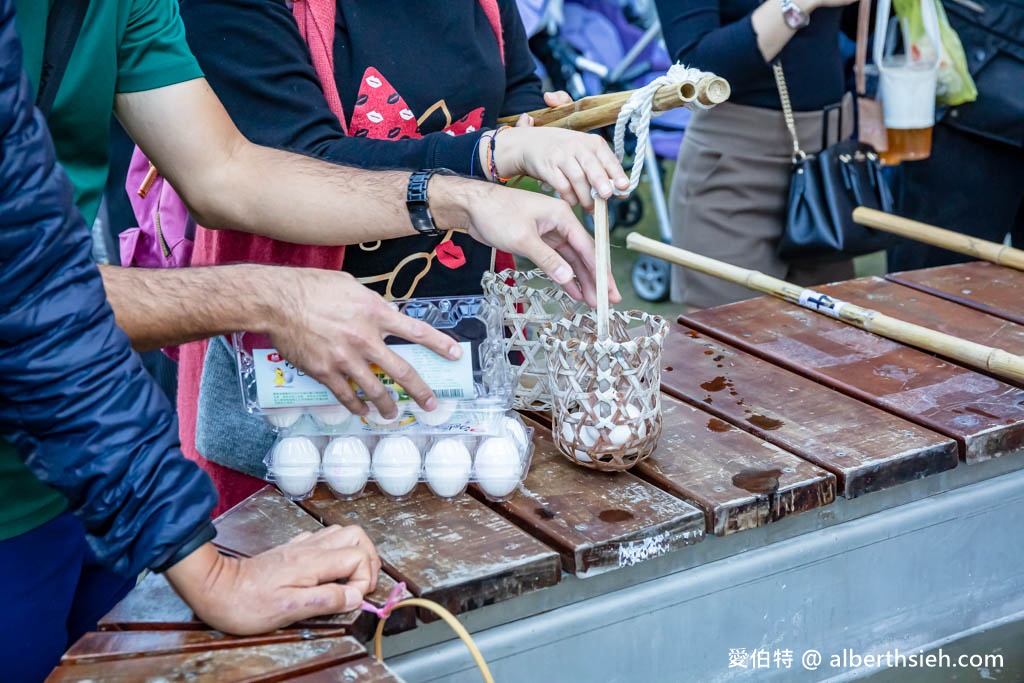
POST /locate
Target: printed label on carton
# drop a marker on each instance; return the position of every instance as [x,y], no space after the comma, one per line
[279,384]
[448,379]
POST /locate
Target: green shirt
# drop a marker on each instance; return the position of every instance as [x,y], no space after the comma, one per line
[125,46]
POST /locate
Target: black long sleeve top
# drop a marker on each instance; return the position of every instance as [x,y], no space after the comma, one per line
[718,36]
[418,84]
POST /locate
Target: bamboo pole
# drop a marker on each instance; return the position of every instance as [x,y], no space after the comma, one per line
[972,354]
[597,111]
[940,237]
[602,264]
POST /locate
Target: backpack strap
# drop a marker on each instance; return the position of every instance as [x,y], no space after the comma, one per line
[316,25]
[63,25]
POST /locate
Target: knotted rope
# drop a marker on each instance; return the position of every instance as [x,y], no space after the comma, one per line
[637,114]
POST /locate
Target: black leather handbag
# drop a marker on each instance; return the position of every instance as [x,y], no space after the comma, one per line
[824,190]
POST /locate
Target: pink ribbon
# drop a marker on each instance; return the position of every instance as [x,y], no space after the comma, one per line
[384,611]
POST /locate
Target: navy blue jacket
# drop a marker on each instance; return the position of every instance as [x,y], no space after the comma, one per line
[74,398]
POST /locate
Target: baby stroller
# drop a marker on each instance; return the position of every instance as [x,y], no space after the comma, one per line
[590,47]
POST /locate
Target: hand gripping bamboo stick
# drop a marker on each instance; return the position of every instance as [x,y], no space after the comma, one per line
[940,237]
[596,111]
[972,354]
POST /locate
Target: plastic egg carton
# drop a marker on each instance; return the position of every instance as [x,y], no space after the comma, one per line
[481,383]
[495,454]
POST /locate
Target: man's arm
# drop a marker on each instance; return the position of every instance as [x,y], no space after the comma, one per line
[325,322]
[230,183]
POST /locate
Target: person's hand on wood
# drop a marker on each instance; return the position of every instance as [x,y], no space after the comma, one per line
[295,581]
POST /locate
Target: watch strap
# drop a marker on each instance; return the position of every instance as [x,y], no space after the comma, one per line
[417,202]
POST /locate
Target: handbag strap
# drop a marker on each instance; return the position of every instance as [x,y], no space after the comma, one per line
[787,110]
[861,51]
[63,24]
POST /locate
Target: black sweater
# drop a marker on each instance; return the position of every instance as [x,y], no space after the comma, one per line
[717,36]
[442,57]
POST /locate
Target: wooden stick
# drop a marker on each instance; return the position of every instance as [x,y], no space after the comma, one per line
[940,237]
[602,264]
[972,354]
[597,111]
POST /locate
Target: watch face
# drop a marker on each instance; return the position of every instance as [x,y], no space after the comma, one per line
[795,17]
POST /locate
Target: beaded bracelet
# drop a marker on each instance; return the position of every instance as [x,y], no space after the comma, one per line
[492,164]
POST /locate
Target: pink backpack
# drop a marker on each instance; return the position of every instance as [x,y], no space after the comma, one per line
[166,233]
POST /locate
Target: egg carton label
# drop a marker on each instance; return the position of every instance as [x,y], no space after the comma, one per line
[279,384]
[448,379]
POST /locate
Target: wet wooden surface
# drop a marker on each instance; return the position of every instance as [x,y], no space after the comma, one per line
[251,663]
[460,554]
[598,521]
[738,480]
[866,448]
[984,415]
[980,285]
[929,311]
[267,519]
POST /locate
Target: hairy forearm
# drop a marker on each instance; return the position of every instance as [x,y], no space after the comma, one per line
[159,308]
[304,200]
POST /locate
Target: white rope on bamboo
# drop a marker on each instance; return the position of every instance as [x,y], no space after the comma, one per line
[637,114]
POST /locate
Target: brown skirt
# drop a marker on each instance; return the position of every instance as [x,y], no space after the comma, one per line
[729,197]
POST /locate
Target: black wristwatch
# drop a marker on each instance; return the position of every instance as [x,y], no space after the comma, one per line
[418,204]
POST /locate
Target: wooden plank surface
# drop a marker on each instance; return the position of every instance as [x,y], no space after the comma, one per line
[738,480]
[597,521]
[365,670]
[868,449]
[103,646]
[920,308]
[460,554]
[267,519]
[268,662]
[984,415]
[980,285]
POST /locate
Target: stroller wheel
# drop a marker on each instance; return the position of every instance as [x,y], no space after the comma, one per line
[628,212]
[651,278]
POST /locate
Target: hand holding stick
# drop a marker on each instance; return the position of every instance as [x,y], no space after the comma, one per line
[978,356]
[940,237]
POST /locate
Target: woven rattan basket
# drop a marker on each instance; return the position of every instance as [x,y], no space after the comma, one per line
[529,301]
[606,410]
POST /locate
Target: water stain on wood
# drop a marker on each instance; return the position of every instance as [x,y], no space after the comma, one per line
[979,411]
[765,422]
[709,352]
[716,425]
[717,384]
[758,481]
[615,516]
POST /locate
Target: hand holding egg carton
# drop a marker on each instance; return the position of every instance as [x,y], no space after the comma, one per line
[495,454]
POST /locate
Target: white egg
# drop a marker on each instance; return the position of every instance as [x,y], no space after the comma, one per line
[346,465]
[588,436]
[498,466]
[514,428]
[447,466]
[396,465]
[375,419]
[436,417]
[330,416]
[295,465]
[634,414]
[282,418]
